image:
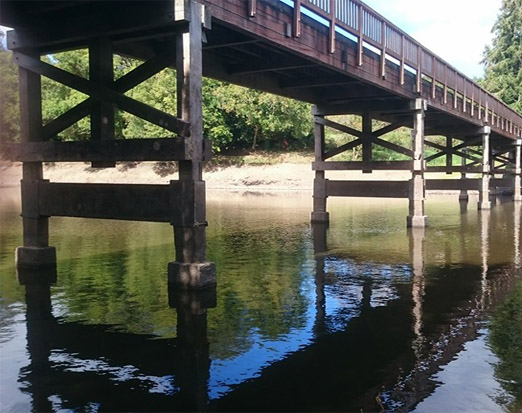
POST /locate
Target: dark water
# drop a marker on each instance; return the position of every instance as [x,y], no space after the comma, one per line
[364,316]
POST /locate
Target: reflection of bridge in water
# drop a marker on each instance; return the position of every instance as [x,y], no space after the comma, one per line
[388,337]
[340,55]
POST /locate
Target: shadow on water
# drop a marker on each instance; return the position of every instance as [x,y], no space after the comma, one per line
[89,367]
[303,318]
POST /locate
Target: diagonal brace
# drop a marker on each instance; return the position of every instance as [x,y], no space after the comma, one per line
[102,93]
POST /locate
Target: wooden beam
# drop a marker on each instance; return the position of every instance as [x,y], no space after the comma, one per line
[386,106]
[469,168]
[122,85]
[264,67]
[163,149]
[370,189]
[342,148]
[321,81]
[359,166]
[339,127]
[157,203]
[74,27]
[102,93]
[452,184]
[389,128]
[67,119]
[392,146]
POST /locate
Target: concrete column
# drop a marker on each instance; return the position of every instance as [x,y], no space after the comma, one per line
[36,252]
[517,195]
[484,202]
[463,196]
[417,217]
[191,270]
[319,213]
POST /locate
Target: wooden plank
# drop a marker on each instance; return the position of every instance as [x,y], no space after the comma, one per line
[357,166]
[392,146]
[370,189]
[389,128]
[457,169]
[339,127]
[452,184]
[342,148]
[163,149]
[172,203]
[67,119]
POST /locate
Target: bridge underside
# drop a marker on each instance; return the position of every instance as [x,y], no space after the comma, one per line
[266,46]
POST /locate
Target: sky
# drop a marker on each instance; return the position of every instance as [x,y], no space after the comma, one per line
[455,30]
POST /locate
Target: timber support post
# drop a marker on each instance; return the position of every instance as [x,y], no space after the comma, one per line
[517,191]
[181,202]
[35,252]
[463,195]
[191,270]
[417,217]
[319,213]
[484,202]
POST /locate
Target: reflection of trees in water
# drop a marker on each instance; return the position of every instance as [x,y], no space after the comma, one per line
[118,282]
[260,287]
[506,342]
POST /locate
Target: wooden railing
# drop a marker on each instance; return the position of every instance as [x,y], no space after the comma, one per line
[371,30]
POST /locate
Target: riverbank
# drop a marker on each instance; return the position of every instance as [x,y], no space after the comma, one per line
[290,173]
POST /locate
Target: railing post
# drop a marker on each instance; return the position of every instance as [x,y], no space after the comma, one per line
[419,70]
[331,46]
[361,35]
[383,50]
[297,19]
[252,8]
[484,202]
[417,217]
[401,76]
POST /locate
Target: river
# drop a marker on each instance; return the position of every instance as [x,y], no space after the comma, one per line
[362,316]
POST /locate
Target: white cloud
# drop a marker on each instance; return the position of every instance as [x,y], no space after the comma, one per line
[456,30]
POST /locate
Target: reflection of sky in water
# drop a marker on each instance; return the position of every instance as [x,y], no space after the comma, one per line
[467,383]
[343,295]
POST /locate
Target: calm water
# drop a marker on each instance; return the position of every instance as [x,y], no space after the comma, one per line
[363,316]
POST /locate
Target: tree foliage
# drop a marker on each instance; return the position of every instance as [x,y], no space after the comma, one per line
[503,59]
[232,116]
[9,113]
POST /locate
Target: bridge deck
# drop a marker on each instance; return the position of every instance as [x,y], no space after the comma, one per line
[360,63]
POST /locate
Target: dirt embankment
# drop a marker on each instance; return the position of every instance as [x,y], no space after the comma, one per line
[277,177]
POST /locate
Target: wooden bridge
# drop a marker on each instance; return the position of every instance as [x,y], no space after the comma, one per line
[340,55]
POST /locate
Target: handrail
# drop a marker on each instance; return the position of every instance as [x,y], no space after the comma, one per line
[371,28]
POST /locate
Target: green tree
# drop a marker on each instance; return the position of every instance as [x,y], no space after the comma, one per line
[262,116]
[9,103]
[503,59]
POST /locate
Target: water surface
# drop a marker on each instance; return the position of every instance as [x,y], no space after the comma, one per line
[362,316]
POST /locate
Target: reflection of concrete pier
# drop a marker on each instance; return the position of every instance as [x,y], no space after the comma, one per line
[417,236]
[63,355]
